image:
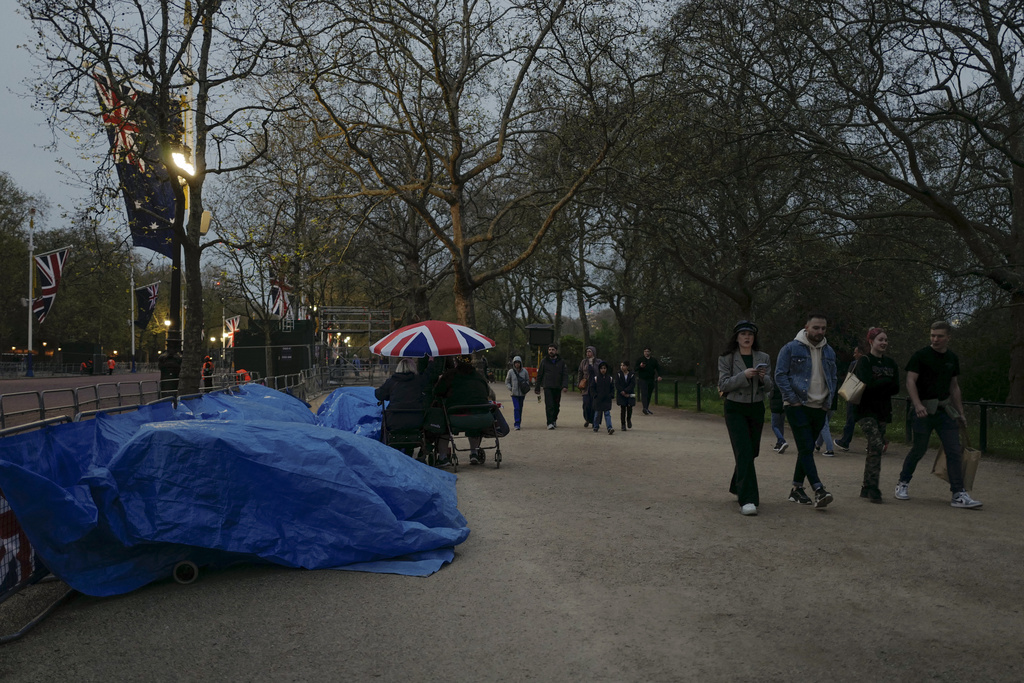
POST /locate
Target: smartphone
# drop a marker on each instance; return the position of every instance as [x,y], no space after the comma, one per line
[761,366]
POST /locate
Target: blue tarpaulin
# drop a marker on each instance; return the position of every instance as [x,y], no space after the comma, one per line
[114,503]
[351,409]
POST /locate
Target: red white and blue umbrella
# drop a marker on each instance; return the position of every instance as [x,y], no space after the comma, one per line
[431,338]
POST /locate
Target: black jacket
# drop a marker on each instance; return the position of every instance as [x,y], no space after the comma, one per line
[627,386]
[648,369]
[602,389]
[405,392]
[552,374]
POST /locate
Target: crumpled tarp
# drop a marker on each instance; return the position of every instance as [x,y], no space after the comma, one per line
[114,503]
[351,409]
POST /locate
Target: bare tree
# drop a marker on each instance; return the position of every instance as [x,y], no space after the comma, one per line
[167,51]
[476,90]
[926,101]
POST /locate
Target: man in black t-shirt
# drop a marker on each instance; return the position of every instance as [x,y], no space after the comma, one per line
[935,396]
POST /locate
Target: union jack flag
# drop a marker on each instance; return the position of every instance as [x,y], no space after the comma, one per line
[230,327]
[145,297]
[18,562]
[50,267]
[145,182]
[279,298]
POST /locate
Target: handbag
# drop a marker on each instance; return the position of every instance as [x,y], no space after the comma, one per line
[970,458]
[852,388]
[583,384]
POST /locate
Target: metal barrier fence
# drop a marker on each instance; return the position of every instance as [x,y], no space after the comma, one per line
[32,406]
[19,565]
[992,427]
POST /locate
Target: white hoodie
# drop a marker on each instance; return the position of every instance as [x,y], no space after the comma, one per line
[817,392]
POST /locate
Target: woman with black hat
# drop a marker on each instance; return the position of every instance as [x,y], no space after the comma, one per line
[744,378]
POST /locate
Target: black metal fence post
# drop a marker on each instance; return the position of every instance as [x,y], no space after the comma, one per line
[675,389]
[698,397]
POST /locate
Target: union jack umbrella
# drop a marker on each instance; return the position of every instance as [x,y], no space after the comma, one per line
[50,267]
[433,338]
[231,326]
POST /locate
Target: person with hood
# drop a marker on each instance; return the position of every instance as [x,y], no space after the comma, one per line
[805,374]
[553,377]
[587,372]
[744,378]
[463,385]
[625,394]
[518,382]
[405,392]
[602,389]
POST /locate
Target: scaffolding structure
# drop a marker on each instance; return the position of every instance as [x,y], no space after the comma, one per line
[344,328]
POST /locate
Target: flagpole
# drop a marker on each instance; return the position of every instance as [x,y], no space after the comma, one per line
[131,306]
[31,300]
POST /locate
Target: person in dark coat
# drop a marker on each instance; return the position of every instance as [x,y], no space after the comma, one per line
[553,378]
[602,389]
[463,385]
[625,394]
[648,372]
[405,392]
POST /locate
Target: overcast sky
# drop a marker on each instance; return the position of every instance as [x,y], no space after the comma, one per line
[24,132]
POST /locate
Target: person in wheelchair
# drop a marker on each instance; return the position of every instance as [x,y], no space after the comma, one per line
[406,394]
[463,385]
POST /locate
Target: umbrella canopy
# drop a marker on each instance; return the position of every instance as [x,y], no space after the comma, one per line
[433,338]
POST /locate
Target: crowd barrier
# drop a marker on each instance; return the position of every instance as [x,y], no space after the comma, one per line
[19,565]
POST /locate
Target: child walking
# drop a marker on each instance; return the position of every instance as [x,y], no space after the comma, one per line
[518,382]
[602,388]
[625,395]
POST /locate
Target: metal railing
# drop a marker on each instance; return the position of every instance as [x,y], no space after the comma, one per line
[992,427]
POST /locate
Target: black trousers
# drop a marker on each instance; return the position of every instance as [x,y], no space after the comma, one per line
[745,422]
[552,404]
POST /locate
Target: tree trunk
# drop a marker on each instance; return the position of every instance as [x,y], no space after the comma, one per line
[581,304]
[463,288]
[559,299]
[193,343]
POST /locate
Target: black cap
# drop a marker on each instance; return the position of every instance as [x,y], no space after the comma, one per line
[744,326]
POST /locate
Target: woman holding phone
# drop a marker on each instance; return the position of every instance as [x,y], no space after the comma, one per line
[744,378]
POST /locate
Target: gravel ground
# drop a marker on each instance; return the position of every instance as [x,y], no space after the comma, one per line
[597,557]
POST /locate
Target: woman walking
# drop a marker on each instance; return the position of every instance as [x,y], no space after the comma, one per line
[881,377]
[744,378]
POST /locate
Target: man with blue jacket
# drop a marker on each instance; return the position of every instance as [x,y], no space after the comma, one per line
[805,374]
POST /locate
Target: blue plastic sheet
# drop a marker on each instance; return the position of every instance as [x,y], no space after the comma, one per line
[114,503]
[352,409]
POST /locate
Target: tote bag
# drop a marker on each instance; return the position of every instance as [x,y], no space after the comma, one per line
[852,388]
[970,459]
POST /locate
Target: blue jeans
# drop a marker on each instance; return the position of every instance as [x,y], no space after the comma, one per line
[517,410]
[597,419]
[851,422]
[825,435]
[806,424]
[949,435]
[778,425]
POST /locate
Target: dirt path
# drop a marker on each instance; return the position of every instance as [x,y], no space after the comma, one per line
[613,558]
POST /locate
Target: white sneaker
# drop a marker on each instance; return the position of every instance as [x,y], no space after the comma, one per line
[551,426]
[964,500]
[749,509]
[901,491]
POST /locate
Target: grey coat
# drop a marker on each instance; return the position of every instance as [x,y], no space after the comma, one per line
[735,386]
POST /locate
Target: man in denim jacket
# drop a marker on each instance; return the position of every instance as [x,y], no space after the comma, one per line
[805,374]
